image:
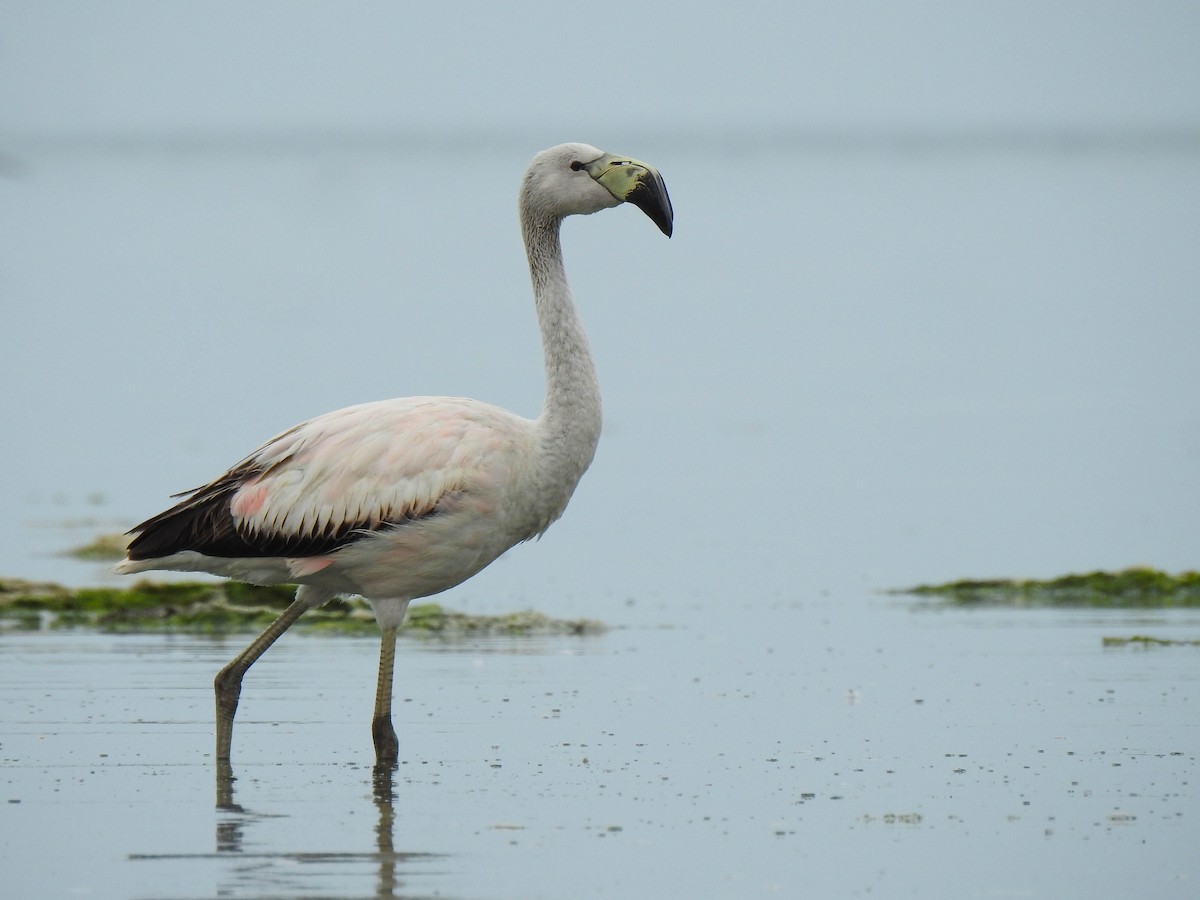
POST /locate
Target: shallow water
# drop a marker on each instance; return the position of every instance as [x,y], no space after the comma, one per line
[892,364]
[851,369]
[930,753]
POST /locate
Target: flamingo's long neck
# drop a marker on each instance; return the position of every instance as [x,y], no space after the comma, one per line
[569,426]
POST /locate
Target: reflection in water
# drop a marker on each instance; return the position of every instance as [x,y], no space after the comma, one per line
[384,794]
[229,828]
[233,819]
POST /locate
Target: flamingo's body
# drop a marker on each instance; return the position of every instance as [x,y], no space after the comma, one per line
[405,498]
[394,499]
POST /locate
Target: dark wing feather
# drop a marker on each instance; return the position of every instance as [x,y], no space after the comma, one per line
[358,445]
[203,523]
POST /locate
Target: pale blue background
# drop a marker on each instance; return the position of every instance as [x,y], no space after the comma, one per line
[276,66]
[930,312]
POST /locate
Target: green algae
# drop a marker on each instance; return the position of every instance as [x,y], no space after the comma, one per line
[431,618]
[230,606]
[1134,588]
[1145,642]
[103,548]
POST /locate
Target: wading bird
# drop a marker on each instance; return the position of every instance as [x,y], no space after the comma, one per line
[405,498]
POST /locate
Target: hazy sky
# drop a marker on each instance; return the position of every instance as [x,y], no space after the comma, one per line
[173,66]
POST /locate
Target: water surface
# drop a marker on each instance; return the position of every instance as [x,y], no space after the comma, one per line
[853,368]
[931,754]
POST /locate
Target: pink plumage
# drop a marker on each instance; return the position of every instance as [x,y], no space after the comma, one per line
[404,498]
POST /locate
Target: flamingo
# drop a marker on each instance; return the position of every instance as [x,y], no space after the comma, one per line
[399,499]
